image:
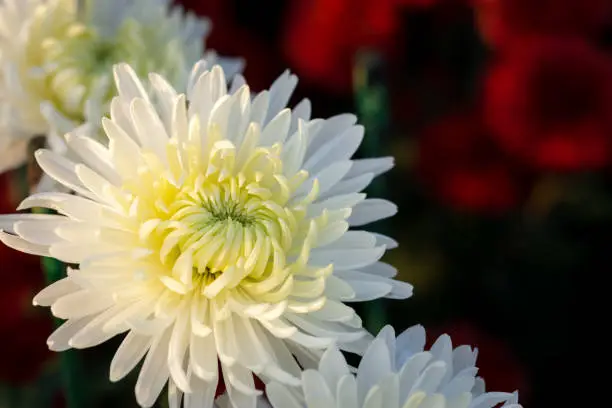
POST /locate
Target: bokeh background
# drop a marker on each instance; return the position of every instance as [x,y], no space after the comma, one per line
[499,114]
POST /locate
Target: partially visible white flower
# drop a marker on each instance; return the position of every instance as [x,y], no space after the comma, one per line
[56,60]
[394,374]
[214,227]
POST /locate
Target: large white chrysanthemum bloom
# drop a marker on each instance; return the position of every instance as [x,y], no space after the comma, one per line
[214,226]
[394,374]
[56,60]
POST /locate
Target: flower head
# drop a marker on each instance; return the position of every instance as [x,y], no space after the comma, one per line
[394,373]
[57,59]
[213,227]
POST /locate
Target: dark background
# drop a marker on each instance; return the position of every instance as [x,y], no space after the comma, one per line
[499,114]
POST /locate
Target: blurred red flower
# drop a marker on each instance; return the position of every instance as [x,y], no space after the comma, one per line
[322,36]
[549,102]
[460,165]
[23,329]
[504,21]
[496,363]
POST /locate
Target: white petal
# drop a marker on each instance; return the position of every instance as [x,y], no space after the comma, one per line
[237,82]
[409,373]
[40,232]
[80,304]
[339,148]
[94,155]
[259,107]
[93,334]
[389,242]
[374,398]
[280,92]
[491,399]
[203,395]
[203,357]
[60,338]
[346,392]
[130,352]
[353,240]
[276,131]
[431,378]
[280,396]
[179,341]
[62,170]
[370,210]
[54,291]
[238,381]
[22,245]
[123,148]
[381,269]
[149,127]
[165,97]
[412,339]
[349,185]
[374,366]
[346,259]
[324,330]
[316,391]
[460,384]
[375,166]
[332,174]
[154,372]
[329,129]
[294,150]
[127,82]
[333,367]
[301,111]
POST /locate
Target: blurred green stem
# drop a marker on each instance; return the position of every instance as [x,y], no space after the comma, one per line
[372,101]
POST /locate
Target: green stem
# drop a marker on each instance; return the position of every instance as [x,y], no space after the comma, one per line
[372,101]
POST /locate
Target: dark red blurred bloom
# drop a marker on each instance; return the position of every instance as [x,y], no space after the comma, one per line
[549,102]
[460,165]
[505,21]
[23,329]
[496,363]
[322,36]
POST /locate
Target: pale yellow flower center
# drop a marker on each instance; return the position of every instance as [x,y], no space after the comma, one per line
[236,216]
[224,222]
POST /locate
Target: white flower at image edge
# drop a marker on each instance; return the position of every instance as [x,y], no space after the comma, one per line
[213,227]
[56,61]
[394,374]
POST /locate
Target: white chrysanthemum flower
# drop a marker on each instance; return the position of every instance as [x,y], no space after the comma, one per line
[56,61]
[394,374]
[213,229]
